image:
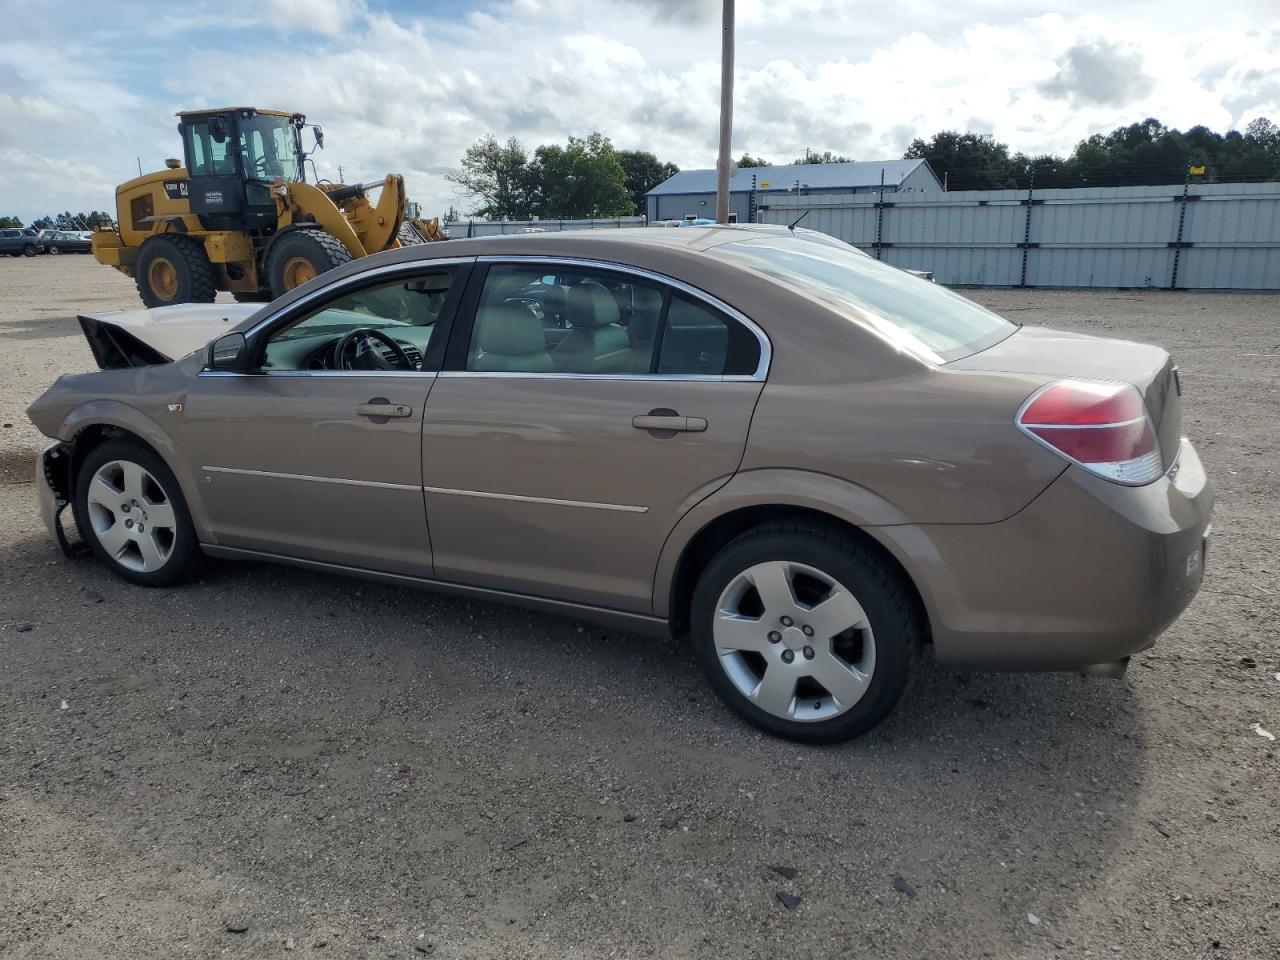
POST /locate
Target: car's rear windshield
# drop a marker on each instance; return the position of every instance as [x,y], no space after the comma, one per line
[913,314]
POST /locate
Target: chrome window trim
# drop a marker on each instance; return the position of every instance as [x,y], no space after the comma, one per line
[336,286]
[641,377]
[357,374]
[766,347]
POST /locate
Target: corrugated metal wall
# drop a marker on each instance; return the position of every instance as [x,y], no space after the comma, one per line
[488,228]
[1219,236]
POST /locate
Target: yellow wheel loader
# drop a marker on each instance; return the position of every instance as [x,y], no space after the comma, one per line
[241,216]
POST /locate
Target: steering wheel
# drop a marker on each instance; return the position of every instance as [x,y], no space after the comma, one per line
[356,351]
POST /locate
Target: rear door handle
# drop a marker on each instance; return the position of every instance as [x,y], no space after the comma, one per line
[674,422]
[380,410]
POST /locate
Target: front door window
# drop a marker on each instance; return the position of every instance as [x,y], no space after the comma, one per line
[386,327]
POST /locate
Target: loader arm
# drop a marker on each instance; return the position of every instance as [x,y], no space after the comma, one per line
[304,202]
[378,225]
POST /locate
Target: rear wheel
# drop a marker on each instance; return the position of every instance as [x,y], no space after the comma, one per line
[173,268]
[129,507]
[302,255]
[804,632]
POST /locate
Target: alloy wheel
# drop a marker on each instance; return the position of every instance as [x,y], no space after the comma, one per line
[132,516]
[794,641]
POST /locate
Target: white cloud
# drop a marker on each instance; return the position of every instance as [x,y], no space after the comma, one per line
[330,17]
[409,94]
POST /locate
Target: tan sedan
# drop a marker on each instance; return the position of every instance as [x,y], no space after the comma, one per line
[814,464]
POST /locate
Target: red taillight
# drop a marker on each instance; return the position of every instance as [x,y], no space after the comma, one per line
[1104,427]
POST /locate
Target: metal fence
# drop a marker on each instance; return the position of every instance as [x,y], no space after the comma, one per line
[1209,236]
[489,228]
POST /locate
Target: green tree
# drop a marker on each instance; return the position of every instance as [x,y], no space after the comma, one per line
[747,160]
[72,221]
[10,222]
[498,177]
[966,161]
[581,179]
[643,171]
[826,156]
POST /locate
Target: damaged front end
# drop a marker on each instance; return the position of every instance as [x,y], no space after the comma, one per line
[53,481]
[115,348]
[145,338]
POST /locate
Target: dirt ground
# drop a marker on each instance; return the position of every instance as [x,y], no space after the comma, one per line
[345,769]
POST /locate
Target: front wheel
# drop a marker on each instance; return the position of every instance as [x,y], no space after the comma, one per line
[29,250]
[805,632]
[129,507]
[55,251]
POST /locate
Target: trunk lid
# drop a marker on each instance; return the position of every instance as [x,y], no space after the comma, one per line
[1057,354]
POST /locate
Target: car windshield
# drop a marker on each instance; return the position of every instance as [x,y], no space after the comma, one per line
[268,147]
[923,318]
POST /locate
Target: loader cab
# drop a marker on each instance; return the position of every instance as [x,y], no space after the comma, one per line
[232,157]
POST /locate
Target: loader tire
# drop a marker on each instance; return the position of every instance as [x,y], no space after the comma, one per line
[408,236]
[174,269]
[300,255]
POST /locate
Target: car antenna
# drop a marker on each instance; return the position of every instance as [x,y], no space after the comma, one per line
[792,225]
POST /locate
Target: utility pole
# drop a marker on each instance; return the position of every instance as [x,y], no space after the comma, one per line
[726,115]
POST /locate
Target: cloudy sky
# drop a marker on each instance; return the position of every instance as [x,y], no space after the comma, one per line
[88,87]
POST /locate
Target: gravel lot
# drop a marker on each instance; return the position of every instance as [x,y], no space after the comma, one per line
[342,768]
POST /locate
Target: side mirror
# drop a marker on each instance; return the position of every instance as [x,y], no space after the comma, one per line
[228,352]
[319,136]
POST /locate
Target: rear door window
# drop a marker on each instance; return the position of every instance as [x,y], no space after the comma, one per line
[541,319]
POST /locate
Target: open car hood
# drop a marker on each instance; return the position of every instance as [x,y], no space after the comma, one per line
[141,338]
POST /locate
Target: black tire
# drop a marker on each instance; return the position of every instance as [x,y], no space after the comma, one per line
[29,250]
[323,251]
[54,250]
[192,273]
[891,609]
[408,236]
[184,549]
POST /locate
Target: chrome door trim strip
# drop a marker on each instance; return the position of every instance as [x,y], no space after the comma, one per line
[589,504]
[766,348]
[551,501]
[302,476]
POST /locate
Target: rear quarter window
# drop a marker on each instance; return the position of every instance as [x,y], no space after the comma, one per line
[912,314]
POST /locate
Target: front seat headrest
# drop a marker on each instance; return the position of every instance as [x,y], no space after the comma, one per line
[591,305]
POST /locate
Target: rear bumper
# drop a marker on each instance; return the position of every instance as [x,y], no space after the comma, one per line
[1089,572]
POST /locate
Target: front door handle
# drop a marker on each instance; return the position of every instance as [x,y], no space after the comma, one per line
[669,422]
[380,410]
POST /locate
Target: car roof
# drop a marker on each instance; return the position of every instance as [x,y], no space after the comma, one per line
[691,238]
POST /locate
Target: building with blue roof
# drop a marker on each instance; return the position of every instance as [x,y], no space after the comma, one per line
[692,193]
